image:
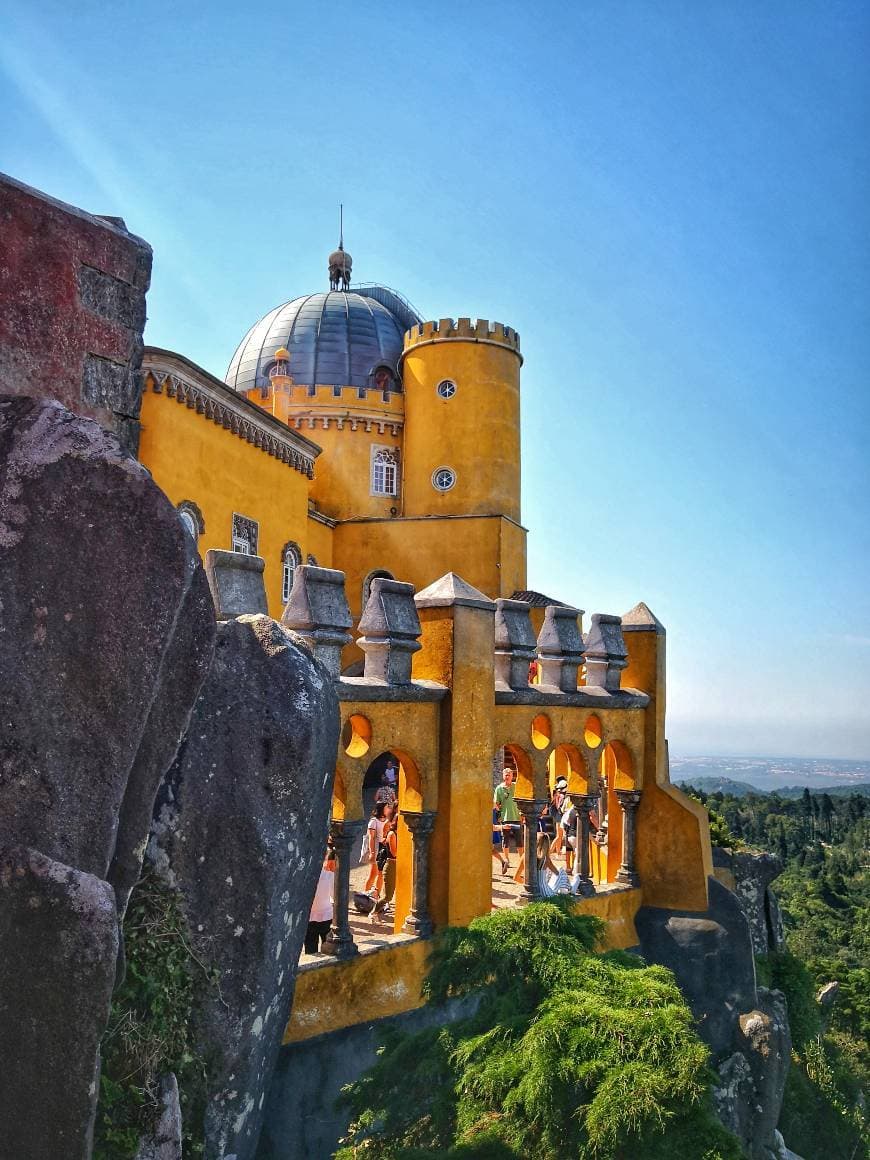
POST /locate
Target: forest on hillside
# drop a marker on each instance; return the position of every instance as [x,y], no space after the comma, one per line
[824,894]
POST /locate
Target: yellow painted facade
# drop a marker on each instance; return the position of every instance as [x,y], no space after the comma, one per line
[409,467]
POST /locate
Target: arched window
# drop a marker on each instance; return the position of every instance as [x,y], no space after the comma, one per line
[376,574]
[385,471]
[291,558]
[191,518]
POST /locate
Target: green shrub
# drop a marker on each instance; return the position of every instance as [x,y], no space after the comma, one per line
[149,1032]
[568,1054]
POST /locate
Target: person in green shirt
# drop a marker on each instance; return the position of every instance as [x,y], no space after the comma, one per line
[509,815]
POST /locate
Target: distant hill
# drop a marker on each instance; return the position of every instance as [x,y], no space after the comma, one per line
[796,791]
[742,788]
[722,785]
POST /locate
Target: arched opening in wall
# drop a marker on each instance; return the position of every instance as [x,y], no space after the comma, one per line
[375,574]
[566,762]
[339,798]
[616,771]
[512,779]
[391,785]
[567,774]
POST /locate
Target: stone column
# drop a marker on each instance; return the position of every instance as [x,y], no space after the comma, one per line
[421,826]
[344,836]
[583,803]
[629,800]
[531,809]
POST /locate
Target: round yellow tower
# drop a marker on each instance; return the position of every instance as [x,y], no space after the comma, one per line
[462,419]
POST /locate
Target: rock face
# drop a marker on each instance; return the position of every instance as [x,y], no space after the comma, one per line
[749,1095]
[72,307]
[746,1027]
[106,633]
[711,957]
[240,831]
[58,945]
[752,875]
[95,571]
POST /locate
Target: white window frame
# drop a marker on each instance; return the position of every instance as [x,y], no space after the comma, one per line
[291,558]
[437,472]
[243,544]
[384,474]
[446,389]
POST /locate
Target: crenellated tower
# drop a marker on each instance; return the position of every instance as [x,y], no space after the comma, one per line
[462,419]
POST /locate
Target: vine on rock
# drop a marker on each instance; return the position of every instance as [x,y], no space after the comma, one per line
[150,1032]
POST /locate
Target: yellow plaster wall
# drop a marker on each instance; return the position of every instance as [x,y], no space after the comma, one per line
[192,458]
[566,727]
[410,731]
[617,908]
[342,473]
[458,646]
[673,856]
[476,432]
[422,550]
[319,541]
[370,986]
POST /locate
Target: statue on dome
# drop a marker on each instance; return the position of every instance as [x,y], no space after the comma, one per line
[340,266]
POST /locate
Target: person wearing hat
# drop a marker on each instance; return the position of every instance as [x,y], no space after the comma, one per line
[557,807]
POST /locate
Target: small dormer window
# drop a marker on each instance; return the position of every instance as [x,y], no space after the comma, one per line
[385,471]
[384,378]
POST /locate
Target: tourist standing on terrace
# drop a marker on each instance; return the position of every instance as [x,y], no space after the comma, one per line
[320,918]
[372,841]
[508,813]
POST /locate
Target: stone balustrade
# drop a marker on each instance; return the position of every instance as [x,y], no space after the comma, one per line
[318,611]
[391,628]
[515,644]
[560,647]
[606,654]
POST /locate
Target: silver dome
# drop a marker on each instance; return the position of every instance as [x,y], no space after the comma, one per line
[336,338]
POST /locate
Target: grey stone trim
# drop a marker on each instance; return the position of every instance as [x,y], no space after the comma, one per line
[515,644]
[320,518]
[451,591]
[370,689]
[560,647]
[413,519]
[531,809]
[344,836]
[353,422]
[235,414]
[236,583]
[420,825]
[641,619]
[606,654]
[390,630]
[589,697]
[317,610]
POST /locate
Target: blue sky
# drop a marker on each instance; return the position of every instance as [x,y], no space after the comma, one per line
[670,203]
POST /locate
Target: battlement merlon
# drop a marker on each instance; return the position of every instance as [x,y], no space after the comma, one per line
[463,330]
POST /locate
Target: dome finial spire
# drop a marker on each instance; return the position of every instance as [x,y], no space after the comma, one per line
[340,261]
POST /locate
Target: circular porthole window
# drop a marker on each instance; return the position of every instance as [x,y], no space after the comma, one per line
[446,389]
[443,478]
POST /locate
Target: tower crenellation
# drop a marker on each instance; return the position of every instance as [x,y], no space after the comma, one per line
[464,329]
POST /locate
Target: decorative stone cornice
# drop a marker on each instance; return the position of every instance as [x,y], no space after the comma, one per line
[352,422]
[216,402]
